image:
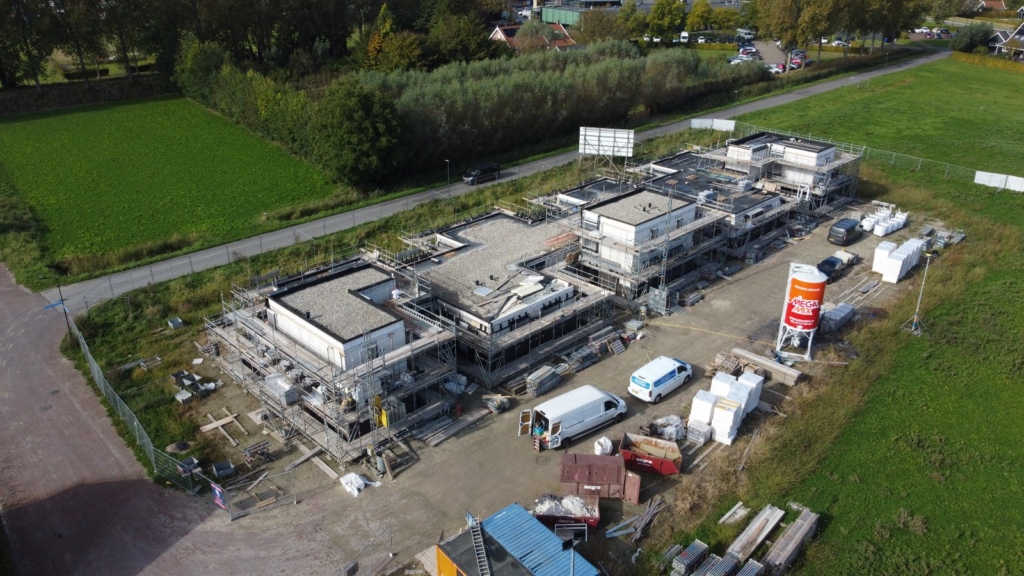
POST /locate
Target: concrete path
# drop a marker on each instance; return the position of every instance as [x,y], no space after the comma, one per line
[118,283]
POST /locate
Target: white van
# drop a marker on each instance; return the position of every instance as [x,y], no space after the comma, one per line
[659,377]
[684,37]
[744,33]
[564,418]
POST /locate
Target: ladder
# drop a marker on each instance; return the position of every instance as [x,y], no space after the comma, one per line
[478,545]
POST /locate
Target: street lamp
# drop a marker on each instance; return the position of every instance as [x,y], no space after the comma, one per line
[448,181]
[62,306]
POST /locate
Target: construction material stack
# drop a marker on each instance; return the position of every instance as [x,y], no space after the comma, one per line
[835,317]
[726,421]
[882,252]
[541,380]
[686,563]
[754,383]
[902,260]
[751,568]
[885,221]
[785,549]
[702,408]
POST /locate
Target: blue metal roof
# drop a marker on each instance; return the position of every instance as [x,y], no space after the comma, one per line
[536,547]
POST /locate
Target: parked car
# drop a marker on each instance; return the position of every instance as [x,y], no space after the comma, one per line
[684,36]
[840,44]
[701,40]
[929,36]
[481,173]
[657,38]
[647,38]
[833,268]
[944,30]
[658,377]
[824,39]
[776,68]
[922,30]
[845,232]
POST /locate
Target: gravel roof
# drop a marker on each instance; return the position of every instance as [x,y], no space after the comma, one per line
[334,308]
[638,208]
[495,243]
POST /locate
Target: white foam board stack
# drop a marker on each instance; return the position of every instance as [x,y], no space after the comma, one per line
[699,433]
[754,383]
[882,252]
[902,260]
[884,221]
[721,384]
[726,421]
[702,408]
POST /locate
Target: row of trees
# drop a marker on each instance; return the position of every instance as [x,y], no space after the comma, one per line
[368,123]
[666,19]
[295,36]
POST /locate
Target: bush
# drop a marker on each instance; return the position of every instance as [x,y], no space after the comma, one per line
[988,61]
[972,36]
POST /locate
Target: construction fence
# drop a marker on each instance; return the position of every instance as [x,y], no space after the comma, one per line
[904,161]
[234,503]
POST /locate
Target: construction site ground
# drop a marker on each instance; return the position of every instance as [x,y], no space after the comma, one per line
[111,520]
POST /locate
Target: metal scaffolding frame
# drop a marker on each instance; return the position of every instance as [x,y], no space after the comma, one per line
[250,349]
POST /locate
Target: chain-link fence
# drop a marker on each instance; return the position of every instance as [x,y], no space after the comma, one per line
[165,467]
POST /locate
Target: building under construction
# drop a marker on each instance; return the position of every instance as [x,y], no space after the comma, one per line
[351,354]
[333,355]
[684,215]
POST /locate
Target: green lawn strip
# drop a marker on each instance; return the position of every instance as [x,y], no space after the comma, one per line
[936,111]
[911,452]
[110,176]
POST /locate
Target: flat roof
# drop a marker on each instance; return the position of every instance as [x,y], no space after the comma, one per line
[460,551]
[495,247]
[637,207]
[334,308]
[788,141]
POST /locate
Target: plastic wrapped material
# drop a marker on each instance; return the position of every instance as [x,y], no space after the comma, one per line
[603,446]
[755,383]
[721,384]
[669,428]
[699,433]
[702,408]
[354,483]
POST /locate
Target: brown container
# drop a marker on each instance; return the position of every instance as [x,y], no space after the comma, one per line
[586,474]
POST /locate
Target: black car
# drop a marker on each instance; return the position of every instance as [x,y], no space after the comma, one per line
[482,173]
[832,267]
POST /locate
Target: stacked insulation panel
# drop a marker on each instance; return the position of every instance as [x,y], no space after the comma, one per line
[836,317]
[902,260]
[725,422]
[703,407]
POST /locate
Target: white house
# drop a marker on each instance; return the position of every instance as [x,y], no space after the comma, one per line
[628,231]
[340,317]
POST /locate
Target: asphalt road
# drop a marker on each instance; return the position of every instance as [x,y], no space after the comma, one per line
[91,291]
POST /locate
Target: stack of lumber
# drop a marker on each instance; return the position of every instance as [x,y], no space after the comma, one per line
[785,374]
[636,524]
[435,434]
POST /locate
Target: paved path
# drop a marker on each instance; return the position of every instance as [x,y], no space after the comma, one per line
[118,283]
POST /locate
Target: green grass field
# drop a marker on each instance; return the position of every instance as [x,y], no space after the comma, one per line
[948,111]
[104,178]
[912,453]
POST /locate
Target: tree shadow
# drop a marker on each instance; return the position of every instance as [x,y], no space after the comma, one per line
[116,528]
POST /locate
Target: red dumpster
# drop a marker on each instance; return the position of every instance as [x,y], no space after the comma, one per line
[648,454]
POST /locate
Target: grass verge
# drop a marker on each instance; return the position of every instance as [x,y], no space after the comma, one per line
[910,451]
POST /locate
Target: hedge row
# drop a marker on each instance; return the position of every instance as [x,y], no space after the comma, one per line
[706,46]
[55,96]
[988,61]
[459,112]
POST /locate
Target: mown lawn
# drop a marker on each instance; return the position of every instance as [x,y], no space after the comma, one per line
[912,453]
[102,178]
[949,111]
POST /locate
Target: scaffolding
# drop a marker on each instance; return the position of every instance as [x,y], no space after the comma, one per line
[333,409]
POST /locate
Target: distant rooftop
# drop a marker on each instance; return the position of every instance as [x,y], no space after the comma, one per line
[637,207]
[495,246]
[790,142]
[333,307]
